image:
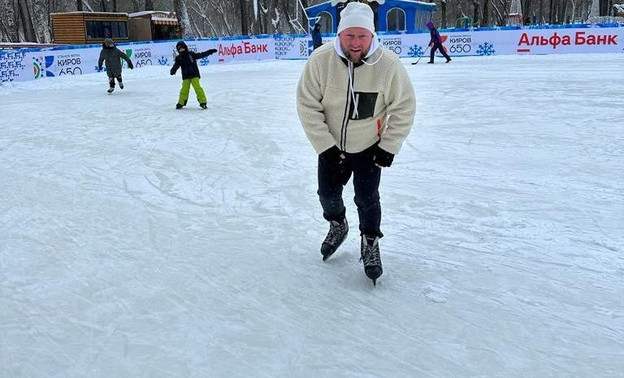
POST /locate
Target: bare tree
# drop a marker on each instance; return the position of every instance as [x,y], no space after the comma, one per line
[526,8]
[243,16]
[27,24]
[475,13]
[185,23]
[486,13]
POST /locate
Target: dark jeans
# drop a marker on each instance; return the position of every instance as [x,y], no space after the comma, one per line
[435,47]
[333,177]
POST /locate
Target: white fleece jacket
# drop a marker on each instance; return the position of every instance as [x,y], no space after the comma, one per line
[379,107]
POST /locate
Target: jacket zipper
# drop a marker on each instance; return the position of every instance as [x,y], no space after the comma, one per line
[345,118]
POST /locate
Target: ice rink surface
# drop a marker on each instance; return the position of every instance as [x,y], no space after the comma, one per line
[137,240]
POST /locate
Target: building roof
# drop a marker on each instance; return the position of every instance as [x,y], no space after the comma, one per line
[157,13]
[94,13]
[336,2]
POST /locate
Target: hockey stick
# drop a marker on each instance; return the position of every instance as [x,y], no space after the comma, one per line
[420,57]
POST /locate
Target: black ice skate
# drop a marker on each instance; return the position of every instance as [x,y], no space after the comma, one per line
[336,235]
[371,257]
[179,106]
[110,90]
[203,105]
[121,86]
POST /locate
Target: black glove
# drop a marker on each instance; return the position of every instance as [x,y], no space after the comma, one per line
[99,68]
[212,51]
[130,65]
[382,157]
[172,72]
[332,155]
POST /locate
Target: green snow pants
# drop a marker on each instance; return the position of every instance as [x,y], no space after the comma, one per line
[186,86]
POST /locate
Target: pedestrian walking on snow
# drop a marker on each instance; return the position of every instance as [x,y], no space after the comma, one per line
[356,104]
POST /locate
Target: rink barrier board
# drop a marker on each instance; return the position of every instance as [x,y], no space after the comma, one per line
[39,63]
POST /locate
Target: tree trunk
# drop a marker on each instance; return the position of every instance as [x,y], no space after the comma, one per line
[243,14]
[183,17]
[562,11]
[29,30]
[526,9]
[475,13]
[79,5]
[304,3]
[486,13]
[149,5]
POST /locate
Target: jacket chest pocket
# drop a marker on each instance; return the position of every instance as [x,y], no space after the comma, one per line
[362,105]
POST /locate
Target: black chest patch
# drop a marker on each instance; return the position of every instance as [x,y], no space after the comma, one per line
[364,102]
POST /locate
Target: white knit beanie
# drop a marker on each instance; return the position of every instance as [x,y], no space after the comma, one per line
[357,15]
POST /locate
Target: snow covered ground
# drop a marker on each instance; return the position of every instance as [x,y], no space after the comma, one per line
[141,241]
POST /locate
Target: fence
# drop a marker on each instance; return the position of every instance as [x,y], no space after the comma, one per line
[38,63]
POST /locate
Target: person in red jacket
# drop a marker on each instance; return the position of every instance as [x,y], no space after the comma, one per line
[436,43]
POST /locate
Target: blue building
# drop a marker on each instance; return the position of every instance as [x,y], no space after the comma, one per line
[390,15]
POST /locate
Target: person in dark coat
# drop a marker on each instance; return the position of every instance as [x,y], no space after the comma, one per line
[187,61]
[112,56]
[436,43]
[316,36]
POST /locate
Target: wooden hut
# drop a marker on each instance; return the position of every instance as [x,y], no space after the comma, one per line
[154,26]
[89,27]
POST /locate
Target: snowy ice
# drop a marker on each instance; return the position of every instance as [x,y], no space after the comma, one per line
[137,240]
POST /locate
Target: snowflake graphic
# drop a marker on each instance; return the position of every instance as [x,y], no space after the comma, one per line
[486,49]
[163,61]
[415,51]
[204,61]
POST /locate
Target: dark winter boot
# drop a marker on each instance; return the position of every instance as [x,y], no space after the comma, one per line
[371,257]
[110,90]
[448,60]
[120,85]
[430,62]
[179,106]
[336,235]
[203,105]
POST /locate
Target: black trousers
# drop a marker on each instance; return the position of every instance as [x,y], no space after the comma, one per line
[111,80]
[435,47]
[332,177]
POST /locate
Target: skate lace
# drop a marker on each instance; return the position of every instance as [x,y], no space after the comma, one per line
[336,231]
[370,254]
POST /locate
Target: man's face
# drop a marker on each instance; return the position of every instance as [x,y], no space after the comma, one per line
[355,43]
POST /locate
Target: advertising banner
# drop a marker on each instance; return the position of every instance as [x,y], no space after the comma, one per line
[36,64]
